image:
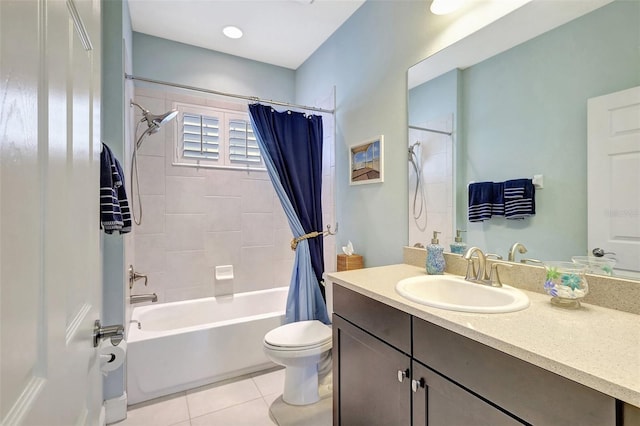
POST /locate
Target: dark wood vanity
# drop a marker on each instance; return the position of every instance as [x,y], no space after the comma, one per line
[393,368]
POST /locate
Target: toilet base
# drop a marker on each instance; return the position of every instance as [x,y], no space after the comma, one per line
[301,385]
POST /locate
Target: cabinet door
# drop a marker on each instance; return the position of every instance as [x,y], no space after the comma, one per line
[369,387]
[440,402]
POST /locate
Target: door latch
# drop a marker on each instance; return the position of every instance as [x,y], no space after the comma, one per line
[114,332]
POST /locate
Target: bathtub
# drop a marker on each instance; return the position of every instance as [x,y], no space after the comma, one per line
[182,345]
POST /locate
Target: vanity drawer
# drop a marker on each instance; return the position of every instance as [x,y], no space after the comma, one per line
[383,321]
[525,390]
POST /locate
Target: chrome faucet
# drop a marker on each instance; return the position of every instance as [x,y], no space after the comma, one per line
[493,279]
[482,261]
[139,298]
[512,252]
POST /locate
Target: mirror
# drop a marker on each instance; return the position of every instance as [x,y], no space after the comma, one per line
[516,112]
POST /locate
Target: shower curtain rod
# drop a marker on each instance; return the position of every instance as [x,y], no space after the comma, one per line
[232,95]
[431,130]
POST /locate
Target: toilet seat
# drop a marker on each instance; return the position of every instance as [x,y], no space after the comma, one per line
[298,335]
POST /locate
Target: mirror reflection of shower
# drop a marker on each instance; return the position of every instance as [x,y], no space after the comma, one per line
[154,122]
[418,206]
[431,195]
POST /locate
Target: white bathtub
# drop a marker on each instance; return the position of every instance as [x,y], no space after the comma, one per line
[182,345]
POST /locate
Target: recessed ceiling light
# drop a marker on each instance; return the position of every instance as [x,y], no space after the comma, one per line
[232,32]
[444,7]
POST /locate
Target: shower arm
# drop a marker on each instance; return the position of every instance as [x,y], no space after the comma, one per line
[144,111]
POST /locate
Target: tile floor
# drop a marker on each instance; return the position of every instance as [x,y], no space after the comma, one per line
[243,401]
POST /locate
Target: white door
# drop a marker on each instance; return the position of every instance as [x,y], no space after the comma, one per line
[50,267]
[614,176]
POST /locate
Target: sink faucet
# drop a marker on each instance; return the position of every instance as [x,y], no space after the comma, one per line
[512,252]
[482,261]
[481,277]
[139,298]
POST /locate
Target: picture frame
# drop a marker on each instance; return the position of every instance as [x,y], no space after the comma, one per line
[366,161]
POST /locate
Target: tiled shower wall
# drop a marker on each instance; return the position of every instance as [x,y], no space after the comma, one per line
[436,162]
[195,219]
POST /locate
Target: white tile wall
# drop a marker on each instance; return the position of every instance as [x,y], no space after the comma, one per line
[184,194]
[436,154]
[198,218]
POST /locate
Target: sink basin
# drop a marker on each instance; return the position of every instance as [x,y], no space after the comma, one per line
[456,294]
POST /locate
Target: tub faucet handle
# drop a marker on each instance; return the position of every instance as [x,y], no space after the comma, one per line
[135,276]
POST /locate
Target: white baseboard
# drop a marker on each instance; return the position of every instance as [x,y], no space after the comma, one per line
[116,409]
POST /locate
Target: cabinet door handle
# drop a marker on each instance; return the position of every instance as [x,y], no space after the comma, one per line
[403,374]
[416,384]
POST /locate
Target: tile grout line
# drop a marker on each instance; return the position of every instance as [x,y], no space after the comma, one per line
[225,408]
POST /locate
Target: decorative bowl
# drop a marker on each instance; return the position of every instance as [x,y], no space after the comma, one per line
[565,283]
[596,265]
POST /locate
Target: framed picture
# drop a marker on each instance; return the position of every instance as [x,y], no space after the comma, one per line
[366,163]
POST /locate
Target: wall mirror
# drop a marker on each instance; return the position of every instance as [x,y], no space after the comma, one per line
[510,101]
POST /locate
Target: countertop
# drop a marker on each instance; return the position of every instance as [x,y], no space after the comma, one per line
[594,346]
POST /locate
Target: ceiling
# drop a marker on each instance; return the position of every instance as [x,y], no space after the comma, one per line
[277,32]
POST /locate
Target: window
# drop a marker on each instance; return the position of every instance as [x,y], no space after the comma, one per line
[200,136]
[215,137]
[243,147]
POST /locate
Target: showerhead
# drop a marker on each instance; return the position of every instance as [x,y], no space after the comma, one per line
[161,119]
[154,121]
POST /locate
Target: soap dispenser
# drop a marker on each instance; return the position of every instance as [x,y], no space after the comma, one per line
[458,246]
[435,258]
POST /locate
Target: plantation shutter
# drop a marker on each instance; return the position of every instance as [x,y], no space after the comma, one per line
[243,147]
[200,136]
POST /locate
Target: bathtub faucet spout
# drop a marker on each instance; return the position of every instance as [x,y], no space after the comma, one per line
[139,298]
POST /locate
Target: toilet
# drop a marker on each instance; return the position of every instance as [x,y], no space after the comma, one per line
[304,349]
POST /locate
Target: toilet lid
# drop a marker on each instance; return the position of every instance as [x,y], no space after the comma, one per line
[299,334]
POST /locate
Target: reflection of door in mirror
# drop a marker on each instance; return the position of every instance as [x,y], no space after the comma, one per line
[614,176]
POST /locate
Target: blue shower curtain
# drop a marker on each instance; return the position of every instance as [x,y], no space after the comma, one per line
[291,145]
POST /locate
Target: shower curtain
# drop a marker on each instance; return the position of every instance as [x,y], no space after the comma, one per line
[291,146]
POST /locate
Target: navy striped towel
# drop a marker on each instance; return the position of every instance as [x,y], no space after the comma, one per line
[480,201]
[519,199]
[497,200]
[114,207]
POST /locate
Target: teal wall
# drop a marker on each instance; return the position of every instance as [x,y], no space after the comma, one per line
[366,60]
[372,99]
[115,26]
[433,99]
[174,62]
[525,113]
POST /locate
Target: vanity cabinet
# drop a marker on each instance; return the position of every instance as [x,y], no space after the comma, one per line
[438,401]
[371,375]
[527,392]
[373,379]
[391,368]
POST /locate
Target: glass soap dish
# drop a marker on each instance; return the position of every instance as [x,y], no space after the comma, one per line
[566,283]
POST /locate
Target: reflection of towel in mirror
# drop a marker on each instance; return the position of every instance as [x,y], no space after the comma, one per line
[497,200]
[519,199]
[480,201]
[114,207]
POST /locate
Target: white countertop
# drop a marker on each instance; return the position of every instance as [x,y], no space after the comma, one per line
[594,346]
